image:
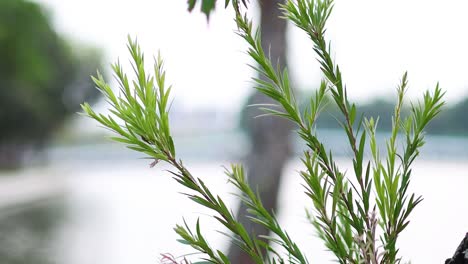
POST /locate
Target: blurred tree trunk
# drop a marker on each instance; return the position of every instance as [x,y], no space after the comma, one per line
[269,136]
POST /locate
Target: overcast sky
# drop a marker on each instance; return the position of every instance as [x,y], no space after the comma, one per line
[374,42]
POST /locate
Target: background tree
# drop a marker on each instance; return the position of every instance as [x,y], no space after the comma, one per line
[453,121]
[269,136]
[42,79]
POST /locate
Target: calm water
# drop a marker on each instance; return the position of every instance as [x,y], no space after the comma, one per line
[125,213]
[116,210]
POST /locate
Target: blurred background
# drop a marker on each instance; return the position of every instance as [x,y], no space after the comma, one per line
[69,195]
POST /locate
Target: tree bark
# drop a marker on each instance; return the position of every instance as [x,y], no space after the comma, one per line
[269,136]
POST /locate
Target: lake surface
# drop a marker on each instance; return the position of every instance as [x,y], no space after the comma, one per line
[117,210]
[124,212]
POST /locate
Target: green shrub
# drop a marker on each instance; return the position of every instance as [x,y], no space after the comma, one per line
[43,79]
[359,223]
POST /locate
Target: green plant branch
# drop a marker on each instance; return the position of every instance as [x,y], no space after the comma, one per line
[226,218]
[143,125]
[199,243]
[311,16]
[260,215]
[346,223]
[280,92]
[319,12]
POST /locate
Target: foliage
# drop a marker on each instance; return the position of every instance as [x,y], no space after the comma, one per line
[208,6]
[359,217]
[452,121]
[42,78]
